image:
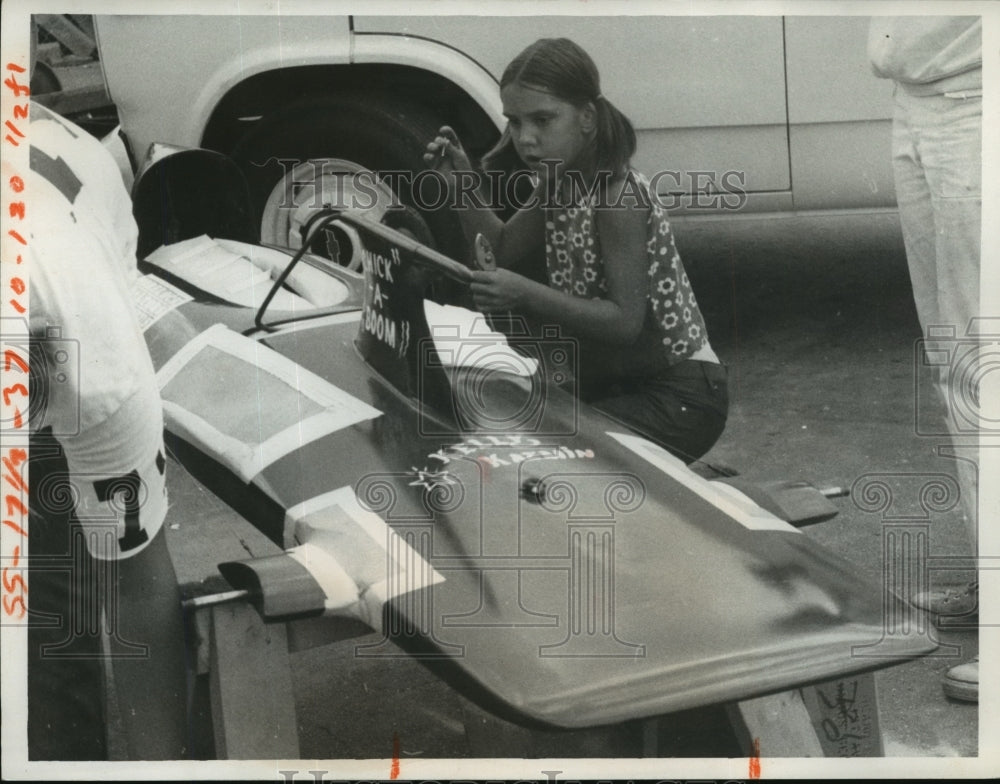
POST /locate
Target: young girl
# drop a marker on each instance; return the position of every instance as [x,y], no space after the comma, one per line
[615,280]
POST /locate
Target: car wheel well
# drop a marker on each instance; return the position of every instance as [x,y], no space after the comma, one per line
[262,95]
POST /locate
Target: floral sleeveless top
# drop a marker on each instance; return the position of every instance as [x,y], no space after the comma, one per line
[575,265]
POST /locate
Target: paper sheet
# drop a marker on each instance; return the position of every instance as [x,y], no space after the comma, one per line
[224,270]
[463,338]
[153,298]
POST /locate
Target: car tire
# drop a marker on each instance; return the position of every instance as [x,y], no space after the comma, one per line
[340,134]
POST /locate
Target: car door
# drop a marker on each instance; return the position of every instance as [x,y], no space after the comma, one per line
[706,94]
[839,116]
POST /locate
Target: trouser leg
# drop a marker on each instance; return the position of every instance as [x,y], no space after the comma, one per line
[684,410]
[66,719]
[937,153]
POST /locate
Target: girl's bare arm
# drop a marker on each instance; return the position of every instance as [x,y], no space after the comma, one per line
[511,241]
[616,319]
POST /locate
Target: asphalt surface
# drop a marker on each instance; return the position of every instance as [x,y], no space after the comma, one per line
[815,320]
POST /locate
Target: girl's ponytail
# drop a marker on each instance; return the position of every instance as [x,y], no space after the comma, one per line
[615,137]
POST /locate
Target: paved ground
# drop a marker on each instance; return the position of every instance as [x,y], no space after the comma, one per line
[820,334]
[815,319]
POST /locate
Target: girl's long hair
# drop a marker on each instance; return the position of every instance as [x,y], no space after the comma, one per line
[562,68]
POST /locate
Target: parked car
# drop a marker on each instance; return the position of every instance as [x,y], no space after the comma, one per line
[756,114]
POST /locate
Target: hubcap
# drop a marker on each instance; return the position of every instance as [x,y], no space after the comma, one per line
[318,185]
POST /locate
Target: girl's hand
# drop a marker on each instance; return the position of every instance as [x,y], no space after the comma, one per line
[499,290]
[445,153]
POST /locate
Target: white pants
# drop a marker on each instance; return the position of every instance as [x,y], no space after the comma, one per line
[937,154]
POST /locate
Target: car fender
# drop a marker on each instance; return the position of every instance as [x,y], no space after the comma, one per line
[453,65]
[249,46]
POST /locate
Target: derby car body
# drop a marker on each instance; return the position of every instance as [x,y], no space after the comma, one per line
[454,493]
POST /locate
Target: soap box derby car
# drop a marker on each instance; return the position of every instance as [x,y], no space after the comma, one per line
[441,481]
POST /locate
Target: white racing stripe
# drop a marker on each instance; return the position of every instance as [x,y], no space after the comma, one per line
[726,498]
[376,558]
[270,407]
[339,589]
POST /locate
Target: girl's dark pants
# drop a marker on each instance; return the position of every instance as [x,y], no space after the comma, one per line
[683,409]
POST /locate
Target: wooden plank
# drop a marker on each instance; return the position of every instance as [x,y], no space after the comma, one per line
[777,725]
[250,684]
[86,24]
[306,633]
[203,531]
[844,714]
[67,33]
[253,707]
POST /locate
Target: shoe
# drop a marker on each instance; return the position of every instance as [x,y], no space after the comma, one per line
[950,601]
[962,681]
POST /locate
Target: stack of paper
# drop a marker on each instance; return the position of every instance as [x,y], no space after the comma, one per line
[238,278]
